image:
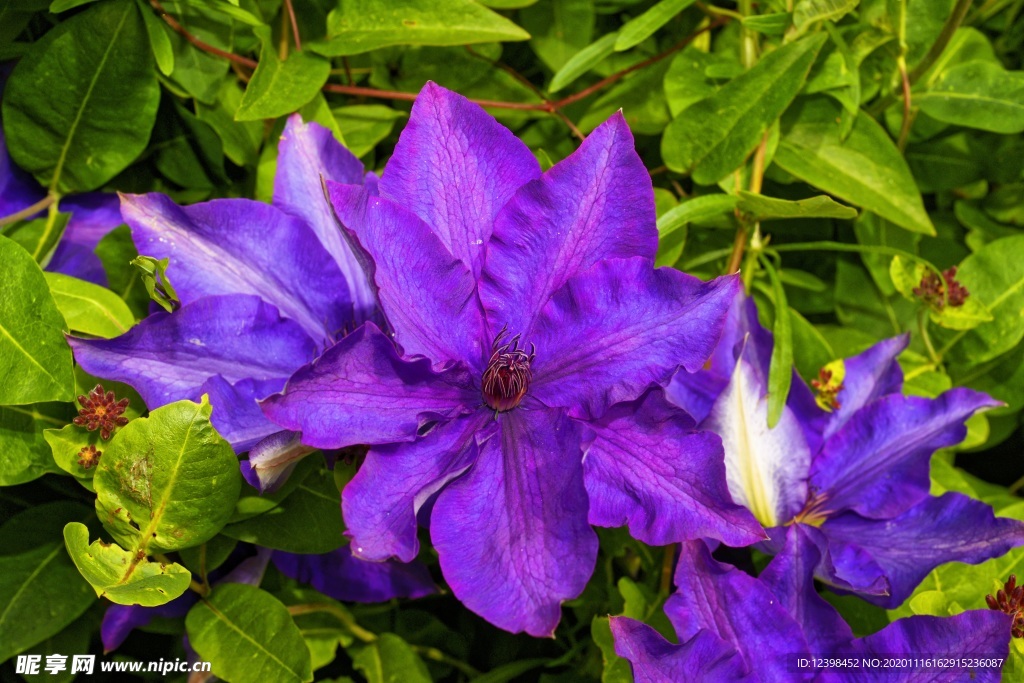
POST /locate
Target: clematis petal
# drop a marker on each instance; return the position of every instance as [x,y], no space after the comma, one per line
[739,609]
[512,533]
[454,166]
[236,414]
[340,575]
[18,190]
[307,154]
[596,204]
[868,377]
[766,469]
[977,634]
[362,392]
[168,357]
[646,466]
[790,576]
[273,458]
[239,246]
[93,215]
[613,330]
[950,528]
[395,481]
[77,260]
[427,295]
[877,463]
[120,620]
[705,658]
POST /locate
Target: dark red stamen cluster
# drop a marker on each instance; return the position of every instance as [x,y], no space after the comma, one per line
[507,377]
[101,411]
[938,292]
[1010,600]
[89,457]
[827,391]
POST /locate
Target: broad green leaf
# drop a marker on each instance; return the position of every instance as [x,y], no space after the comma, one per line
[238,618]
[40,236]
[764,208]
[865,169]
[389,659]
[712,137]
[58,6]
[639,29]
[159,38]
[199,73]
[769,24]
[278,88]
[695,210]
[976,94]
[811,351]
[41,592]
[687,80]
[89,308]
[357,26]
[364,125]
[944,164]
[35,360]
[188,152]
[583,61]
[318,111]
[780,372]
[808,12]
[167,481]
[25,453]
[79,135]
[995,275]
[307,521]
[241,139]
[640,98]
[123,577]
[75,637]
[559,29]
[66,446]
[802,280]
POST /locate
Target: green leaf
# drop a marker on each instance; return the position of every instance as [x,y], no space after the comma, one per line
[808,12]
[89,308]
[780,373]
[583,61]
[389,659]
[40,236]
[66,445]
[769,24]
[364,125]
[41,592]
[712,137]
[187,151]
[25,453]
[695,210]
[167,481]
[865,169]
[559,29]
[994,275]
[616,669]
[308,520]
[639,29]
[687,80]
[200,74]
[238,618]
[357,26]
[976,94]
[159,38]
[35,361]
[763,208]
[95,113]
[122,576]
[278,88]
[75,637]
[241,140]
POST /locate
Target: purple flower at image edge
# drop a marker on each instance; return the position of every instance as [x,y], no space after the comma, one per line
[851,468]
[734,628]
[263,288]
[510,398]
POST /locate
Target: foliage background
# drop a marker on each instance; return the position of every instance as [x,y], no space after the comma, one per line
[836,150]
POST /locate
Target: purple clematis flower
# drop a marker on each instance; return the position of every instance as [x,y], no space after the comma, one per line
[851,469]
[264,289]
[509,403]
[734,628]
[340,575]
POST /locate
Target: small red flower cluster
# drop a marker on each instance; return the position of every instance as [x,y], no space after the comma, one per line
[937,292]
[1010,599]
[827,390]
[101,411]
[89,457]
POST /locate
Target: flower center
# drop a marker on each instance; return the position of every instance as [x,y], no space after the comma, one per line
[815,510]
[507,377]
[1010,600]
[828,385]
[101,410]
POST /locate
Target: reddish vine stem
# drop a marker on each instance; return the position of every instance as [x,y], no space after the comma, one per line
[907,114]
[205,47]
[295,24]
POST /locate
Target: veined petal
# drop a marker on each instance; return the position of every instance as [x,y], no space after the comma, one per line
[877,463]
[977,634]
[307,155]
[950,528]
[362,392]
[239,246]
[381,502]
[427,295]
[93,215]
[766,469]
[596,204]
[454,166]
[615,329]
[705,658]
[739,609]
[867,377]
[512,533]
[168,357]
[340,575]
[236,414]
[647,467]
[273,458]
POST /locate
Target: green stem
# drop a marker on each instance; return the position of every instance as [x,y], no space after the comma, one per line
[922,325]
[52,213]
[338,613]
[436,655]
[28,211]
